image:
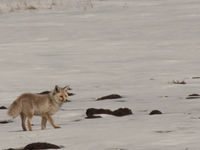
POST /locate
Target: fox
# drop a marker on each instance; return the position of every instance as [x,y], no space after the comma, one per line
[45,105]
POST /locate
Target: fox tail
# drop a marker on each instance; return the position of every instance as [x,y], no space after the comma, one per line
[15,108]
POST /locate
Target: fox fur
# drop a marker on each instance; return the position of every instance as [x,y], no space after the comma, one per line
[45,105]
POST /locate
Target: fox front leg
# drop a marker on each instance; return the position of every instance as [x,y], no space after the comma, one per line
[44,122]
[51,121]
[29,124]
[23,119]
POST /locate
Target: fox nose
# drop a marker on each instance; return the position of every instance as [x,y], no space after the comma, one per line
[63,98]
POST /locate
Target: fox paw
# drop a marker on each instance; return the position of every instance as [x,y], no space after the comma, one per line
[56,127]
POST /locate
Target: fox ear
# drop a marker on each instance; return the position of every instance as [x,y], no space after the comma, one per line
[57,89]
[66,88]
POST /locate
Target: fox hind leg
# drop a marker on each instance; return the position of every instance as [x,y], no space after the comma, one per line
[29,123]
[23,118]
[44,122]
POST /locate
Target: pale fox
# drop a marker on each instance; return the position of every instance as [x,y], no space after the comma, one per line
[28,104]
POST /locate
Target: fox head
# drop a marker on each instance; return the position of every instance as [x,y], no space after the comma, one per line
[60,94]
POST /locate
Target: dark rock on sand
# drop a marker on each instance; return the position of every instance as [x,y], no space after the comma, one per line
[195,77]
[91,112]
[178,82]
[167,131]
[70,94]
[14,149]
[193,96]
[5,121]
[44,92]
[155,112]
[36,146]
[122,112]
[3,107]
[112,96]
